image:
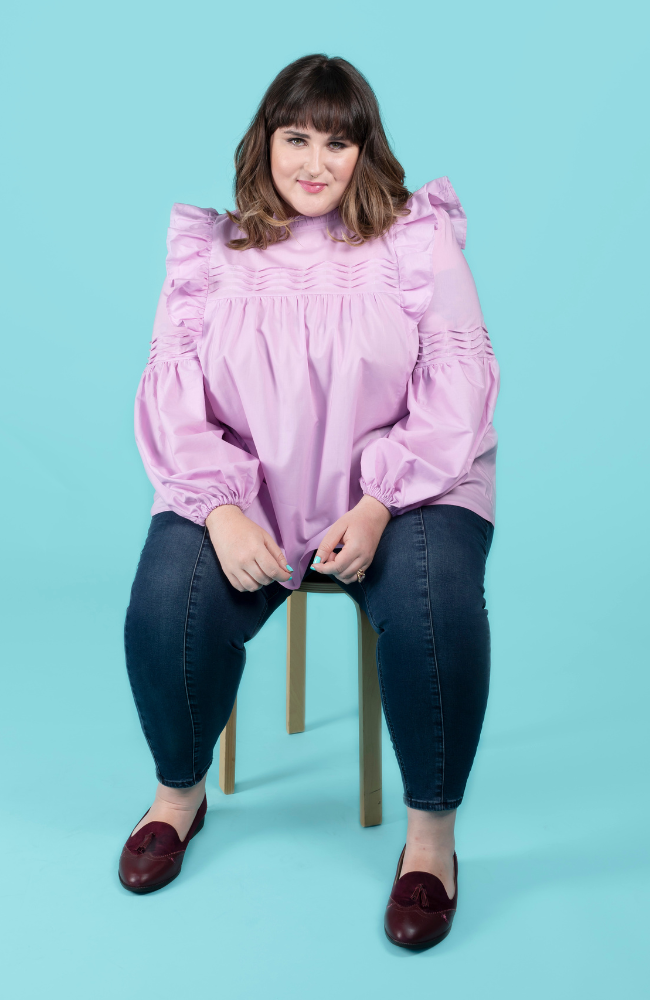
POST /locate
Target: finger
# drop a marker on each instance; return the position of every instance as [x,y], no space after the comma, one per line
[346,571]
[259,575]
[232,579]
[277,554]
[271,567]
[236,582]
[334,567]
[341,562]
[350,575]
[248,583]
[265,569]
[256,573]
[333,538]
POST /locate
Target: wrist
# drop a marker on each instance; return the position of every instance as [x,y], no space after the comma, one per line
[376,507]
[224,510]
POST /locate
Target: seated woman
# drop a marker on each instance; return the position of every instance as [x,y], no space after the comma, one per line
[319,393]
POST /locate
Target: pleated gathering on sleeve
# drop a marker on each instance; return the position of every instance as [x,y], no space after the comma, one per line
[186,459]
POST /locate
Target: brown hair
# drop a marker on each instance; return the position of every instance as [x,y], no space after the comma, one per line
[331,96]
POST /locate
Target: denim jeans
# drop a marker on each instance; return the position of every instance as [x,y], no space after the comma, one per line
[186,629]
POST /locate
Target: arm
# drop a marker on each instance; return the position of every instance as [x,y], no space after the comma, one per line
[198,474]
[451,395]
[190,465]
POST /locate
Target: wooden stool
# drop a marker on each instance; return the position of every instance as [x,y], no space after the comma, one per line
[369,700]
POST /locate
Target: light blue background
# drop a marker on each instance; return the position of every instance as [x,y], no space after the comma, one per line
[537,114]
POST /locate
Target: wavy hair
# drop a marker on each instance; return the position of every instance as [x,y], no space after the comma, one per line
[328,95]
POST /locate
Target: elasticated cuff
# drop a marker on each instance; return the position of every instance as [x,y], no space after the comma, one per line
[387,499]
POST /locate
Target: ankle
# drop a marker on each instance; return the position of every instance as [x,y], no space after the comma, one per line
[176,806]
[180,799]
[431,826]
[419,848]
[430,835]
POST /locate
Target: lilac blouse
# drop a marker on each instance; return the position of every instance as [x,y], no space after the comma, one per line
[292,380]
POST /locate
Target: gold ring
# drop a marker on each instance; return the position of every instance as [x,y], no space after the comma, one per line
[360,575]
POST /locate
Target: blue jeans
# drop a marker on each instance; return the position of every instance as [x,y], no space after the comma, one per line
[186,629]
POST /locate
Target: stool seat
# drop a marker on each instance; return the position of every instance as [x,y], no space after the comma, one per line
[316,583]
[369,698]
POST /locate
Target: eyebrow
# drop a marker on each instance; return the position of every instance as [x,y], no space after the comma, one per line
[304,135]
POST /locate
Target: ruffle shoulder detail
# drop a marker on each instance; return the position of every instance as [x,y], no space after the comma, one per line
[414,235]
[189,244]
[438,194]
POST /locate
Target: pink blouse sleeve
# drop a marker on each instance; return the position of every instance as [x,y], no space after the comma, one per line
[453,388]
[181,443]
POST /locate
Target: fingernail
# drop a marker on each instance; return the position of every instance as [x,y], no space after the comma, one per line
[290,568]
[291,578]
[316,560]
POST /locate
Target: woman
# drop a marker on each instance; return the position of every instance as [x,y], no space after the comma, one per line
[319,393]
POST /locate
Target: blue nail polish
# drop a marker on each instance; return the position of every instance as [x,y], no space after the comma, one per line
[291,578]
[290,568]
[316,560]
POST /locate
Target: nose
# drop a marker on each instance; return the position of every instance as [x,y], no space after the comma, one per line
[314,162]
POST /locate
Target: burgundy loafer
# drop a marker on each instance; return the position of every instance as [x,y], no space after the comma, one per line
[152,857]
[419,912]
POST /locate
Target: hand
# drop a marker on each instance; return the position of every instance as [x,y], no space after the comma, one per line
[359,530]
[248,555]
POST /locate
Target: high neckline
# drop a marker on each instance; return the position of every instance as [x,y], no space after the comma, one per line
[306,221]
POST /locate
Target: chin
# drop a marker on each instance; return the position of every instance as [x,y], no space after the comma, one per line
[312,212]
[309,206]
[301,208]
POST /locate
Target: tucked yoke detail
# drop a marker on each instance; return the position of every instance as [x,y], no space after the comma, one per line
[291,381]
[233,281]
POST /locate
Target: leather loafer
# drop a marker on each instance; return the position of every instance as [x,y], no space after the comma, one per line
[419,912]
[152,857]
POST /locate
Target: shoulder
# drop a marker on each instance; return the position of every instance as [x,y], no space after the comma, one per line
[434,207]
[191,234]
[190,222]
[432,231]
[192,231]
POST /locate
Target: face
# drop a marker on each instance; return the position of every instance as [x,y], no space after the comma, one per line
[310,169]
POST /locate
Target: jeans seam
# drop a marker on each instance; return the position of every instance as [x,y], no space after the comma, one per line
[435,656]
[187,693]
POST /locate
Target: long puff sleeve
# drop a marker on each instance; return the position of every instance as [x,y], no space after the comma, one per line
[181,443]
[454,385]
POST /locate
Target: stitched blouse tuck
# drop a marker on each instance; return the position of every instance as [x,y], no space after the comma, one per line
[291,381]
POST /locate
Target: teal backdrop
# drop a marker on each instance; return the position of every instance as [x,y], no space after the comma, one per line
[538,114]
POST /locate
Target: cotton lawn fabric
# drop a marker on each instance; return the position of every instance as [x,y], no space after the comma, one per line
[293,380]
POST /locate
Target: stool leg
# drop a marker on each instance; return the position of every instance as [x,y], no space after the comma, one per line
[369,724]
[227,750]
[296,654]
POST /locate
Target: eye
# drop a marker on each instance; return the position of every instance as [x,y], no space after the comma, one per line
[295,141]
[338,145]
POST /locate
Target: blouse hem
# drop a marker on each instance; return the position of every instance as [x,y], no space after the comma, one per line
[487,515]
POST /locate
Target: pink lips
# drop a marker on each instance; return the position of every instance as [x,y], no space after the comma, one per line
[310,187]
